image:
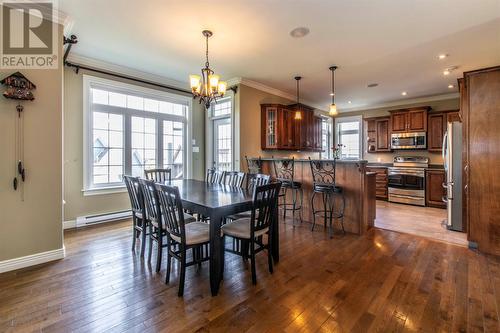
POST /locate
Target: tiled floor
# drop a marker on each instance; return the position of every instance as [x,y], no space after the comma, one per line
[421,221]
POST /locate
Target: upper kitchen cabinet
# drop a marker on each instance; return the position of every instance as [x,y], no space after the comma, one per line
[409,120]
[377,134]
[281,131]
[436,127]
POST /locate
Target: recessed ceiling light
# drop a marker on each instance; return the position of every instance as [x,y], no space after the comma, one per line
[442,56]
[451,86]
[404,93]
[372,85]
[349,102]
[299,32]
[446,72]
[331,94]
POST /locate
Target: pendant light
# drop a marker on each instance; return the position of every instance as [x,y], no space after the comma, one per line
[298,113]
[207,87]
[333,108]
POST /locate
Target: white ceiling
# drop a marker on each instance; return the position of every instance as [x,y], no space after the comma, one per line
[394,43]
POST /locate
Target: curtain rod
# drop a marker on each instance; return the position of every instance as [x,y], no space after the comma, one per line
[77,68]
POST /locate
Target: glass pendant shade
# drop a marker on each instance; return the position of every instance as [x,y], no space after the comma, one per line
[298,115]
[222,87]
[214,82]
[333,110]
[194,81]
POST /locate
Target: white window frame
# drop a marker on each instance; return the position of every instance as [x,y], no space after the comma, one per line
[330,138]
[90,82]
[350,119]
[210,142]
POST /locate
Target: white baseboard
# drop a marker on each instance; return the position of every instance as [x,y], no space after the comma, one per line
[69,224]
[31,260]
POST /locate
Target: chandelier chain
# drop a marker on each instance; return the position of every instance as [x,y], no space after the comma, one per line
[207,64]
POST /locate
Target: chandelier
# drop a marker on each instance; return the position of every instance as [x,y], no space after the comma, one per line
[333,108]
[207,87]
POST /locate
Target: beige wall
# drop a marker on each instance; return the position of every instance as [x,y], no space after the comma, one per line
[435,158]
[248,110]
[33,225]
[76,203]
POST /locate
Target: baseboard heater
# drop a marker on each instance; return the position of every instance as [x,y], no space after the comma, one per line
[82,221]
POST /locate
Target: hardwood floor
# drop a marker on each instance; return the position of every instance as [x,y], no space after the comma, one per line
[420,221]
[382,282]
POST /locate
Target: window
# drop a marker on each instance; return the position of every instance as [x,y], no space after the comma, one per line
[348,134]
[326,138]
[222,133]
[129,129]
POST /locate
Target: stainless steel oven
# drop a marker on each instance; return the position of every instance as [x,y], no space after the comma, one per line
[407,180]
[417,140]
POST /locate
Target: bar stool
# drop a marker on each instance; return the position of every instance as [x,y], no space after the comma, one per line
[254,165]
[284,171]
[323,173]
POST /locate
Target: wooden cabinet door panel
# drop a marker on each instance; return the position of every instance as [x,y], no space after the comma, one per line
[417,121]
[398,120]
[434,190]
[318,133]
[382,140]
[435,133]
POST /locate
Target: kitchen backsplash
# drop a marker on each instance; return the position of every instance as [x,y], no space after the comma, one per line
[434,158]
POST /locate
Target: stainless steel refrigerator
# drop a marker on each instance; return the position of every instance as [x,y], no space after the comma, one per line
[452,157]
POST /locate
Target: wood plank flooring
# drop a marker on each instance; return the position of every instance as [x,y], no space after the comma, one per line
[382,282]
[419,221]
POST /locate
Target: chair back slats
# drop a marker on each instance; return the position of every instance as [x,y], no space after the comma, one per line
[135,194]
[264,210]
[159,175]
[214,176]
[151,201]
[171,209]
[234,178]
[323,172]
[257,179]
[254,165]
[284,169]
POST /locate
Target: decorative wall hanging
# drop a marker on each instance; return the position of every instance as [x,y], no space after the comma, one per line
[19,88]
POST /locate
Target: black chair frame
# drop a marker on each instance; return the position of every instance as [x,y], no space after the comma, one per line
[159,175]
[284,170]
[139,220]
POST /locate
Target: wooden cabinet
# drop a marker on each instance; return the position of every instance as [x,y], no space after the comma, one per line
[482,118]
[434,190]
[436,127]
[409,120]
[377,134]
[281,131]
[380,181]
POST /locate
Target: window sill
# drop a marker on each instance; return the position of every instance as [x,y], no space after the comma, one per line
[104,190]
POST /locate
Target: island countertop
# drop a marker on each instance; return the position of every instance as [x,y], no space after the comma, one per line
[351,175]
[312,159]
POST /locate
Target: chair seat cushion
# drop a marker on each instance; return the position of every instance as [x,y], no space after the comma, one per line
[241,229]
[240,215]
[188,218]
[196,233]
[319,187]
[290,184]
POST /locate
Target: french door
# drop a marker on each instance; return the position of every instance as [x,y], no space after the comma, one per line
[223,144]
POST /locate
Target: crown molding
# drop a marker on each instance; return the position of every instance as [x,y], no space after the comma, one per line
[270,90]
[78,59]
[403,102]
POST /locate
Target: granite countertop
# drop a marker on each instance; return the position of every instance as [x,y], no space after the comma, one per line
[385,165]
[307,160]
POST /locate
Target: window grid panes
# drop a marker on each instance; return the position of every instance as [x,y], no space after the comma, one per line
[173,144]
[222,107]
[349,138]
[107,148]
[131,133]
[143,145]
[326,138]
[223,141]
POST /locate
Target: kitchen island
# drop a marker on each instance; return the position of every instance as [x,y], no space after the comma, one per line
[351,175]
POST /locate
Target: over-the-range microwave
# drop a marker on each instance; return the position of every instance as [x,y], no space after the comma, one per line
[416,140]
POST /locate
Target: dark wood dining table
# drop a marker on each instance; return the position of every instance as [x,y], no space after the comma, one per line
[218,201]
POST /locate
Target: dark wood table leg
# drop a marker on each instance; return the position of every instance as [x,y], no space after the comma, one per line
[276,237]
[216,252]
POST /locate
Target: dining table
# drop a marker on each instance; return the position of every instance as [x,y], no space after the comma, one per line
[217,201]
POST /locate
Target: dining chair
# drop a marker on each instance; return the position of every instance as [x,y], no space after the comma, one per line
[139,221]
[153,214]
[250,230]
[181,236]
[253,180]
[159,175]
[214,176]
[233,178]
